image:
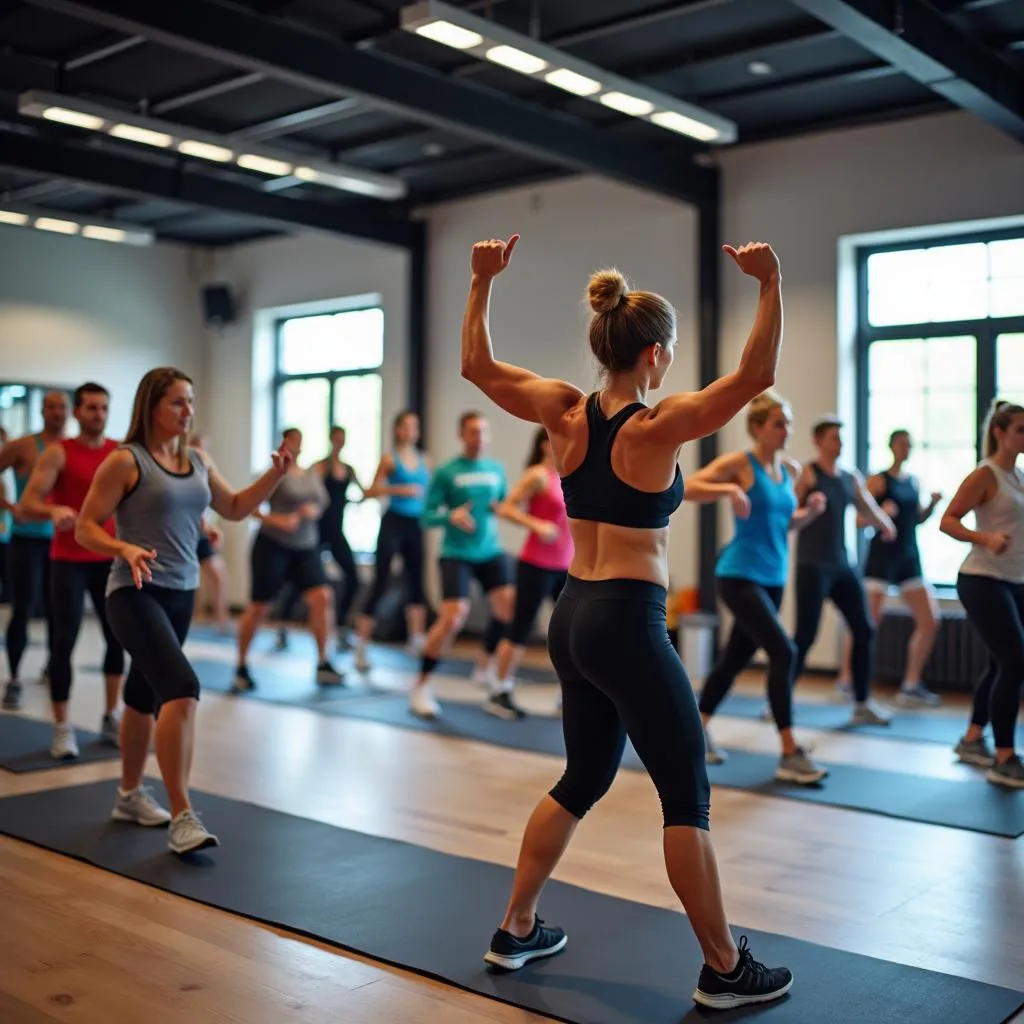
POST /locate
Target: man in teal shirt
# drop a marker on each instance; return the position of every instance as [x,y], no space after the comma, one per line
[466,497]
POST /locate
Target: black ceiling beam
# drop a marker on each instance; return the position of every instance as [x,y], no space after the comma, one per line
[220,87]
[304,120]
[97,53]
[927,47]
[98,169]
[339,69]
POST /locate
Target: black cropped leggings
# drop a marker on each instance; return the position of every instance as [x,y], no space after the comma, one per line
[995,609]
[152,624]
[28,563]
[621,676]
[70,581]
[399,535]
[755,609]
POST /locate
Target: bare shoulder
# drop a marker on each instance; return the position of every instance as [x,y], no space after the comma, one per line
[792,467]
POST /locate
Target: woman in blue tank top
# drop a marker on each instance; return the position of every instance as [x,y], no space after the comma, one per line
[752,571]
[403,476]
[159,488]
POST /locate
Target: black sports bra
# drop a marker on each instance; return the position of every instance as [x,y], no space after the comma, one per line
[593,491]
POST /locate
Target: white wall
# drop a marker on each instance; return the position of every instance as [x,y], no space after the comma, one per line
[75,309]
[538,317]
[267,277]
[803,196]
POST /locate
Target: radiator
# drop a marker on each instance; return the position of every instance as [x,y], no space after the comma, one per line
[957,661]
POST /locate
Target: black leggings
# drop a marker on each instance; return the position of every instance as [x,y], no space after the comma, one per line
[620,675]
[342,555]
[846,591]
[996,610]
[28,561]
[756,612]
[70,581]
[152,624]
[533,586]
[399,535]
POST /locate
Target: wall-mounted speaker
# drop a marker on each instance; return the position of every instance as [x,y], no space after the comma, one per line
[218,305]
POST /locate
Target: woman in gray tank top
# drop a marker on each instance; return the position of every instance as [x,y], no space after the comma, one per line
[158,489]
[991,589]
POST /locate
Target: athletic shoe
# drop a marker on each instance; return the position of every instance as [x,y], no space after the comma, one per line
[751,982]
[843,692]
[64,746]
[422,703]
[243,682]
[414,648]
[485,677]
[869,713]
[110,729]
[798,767]
[344,641]
[501,705]
[281,644]
[712,754]
[328,675]
[362,661]
[1010,773]
[976,752]
[12,696]
[510,953]
[188,833]
[140,808]
[917,696]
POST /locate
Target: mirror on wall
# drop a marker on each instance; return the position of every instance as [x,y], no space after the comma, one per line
[21,406]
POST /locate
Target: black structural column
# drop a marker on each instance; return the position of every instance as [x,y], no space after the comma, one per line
[417,325]
[709,297]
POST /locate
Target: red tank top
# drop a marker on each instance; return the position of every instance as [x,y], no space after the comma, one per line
[549,505]
[80,465]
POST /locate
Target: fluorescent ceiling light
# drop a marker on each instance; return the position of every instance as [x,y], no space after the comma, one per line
[563,78]
[254,162]
[73,117]
[487,40]
[148,137]
[222,149]
[516,60]
[626,104]
[63,227]
[103,234]
[97,228]
[12,217]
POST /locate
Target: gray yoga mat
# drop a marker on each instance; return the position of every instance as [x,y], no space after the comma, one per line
[972,804]
[25,745]
[432,913]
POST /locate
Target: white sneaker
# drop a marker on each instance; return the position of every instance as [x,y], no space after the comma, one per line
[416,644]
[422,703]
[140,808]
[486,677]
[188,833]
[64,746]
[917,695]
[869,713]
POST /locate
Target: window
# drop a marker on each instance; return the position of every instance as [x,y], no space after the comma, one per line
[941,333]
[328,373]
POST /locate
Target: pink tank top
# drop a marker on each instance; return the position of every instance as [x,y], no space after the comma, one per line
[549,505]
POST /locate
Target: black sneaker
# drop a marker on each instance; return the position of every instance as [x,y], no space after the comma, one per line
[501,705]
[12,696]
[510,953]
[243,682]
[750,982]
[328,675]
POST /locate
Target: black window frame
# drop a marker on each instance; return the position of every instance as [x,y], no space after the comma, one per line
[986,331]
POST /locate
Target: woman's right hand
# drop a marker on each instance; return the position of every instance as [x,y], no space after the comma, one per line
[997,543]
[138,560]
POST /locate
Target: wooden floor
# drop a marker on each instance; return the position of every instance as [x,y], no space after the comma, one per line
[82,945]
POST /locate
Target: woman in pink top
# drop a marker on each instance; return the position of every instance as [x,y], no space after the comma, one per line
[543,563]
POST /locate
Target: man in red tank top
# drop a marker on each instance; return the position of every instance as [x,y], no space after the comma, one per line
[56,491]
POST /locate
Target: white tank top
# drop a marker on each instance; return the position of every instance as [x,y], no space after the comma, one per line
[1003,513]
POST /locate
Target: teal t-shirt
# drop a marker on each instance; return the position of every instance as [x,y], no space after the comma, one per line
[482,483]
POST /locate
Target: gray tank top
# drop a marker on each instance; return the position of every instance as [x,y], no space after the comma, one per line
[163,513]
[823,542]
[1004,513]
[294,491]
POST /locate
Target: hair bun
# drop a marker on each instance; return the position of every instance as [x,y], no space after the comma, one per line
[606,290]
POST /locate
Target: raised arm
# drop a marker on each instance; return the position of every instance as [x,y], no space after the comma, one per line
[237,505]
[869,510]
[684,417]
[978,487]
[34,504]
[719,479]
[523,394]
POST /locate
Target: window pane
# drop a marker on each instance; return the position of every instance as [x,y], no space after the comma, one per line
[952,363]
[886,267]
[357,408]
[1006,258]
[304,404]
[337,341]
[949,265]
[965,298]
[895,412]
[1006,297]
[1010,366]
[896,366]
[951,417]
[899,301]
[941,469]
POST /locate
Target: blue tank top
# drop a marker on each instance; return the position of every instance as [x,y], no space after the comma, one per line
[401,476]
[759,550]
[44,531]
[593,491]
